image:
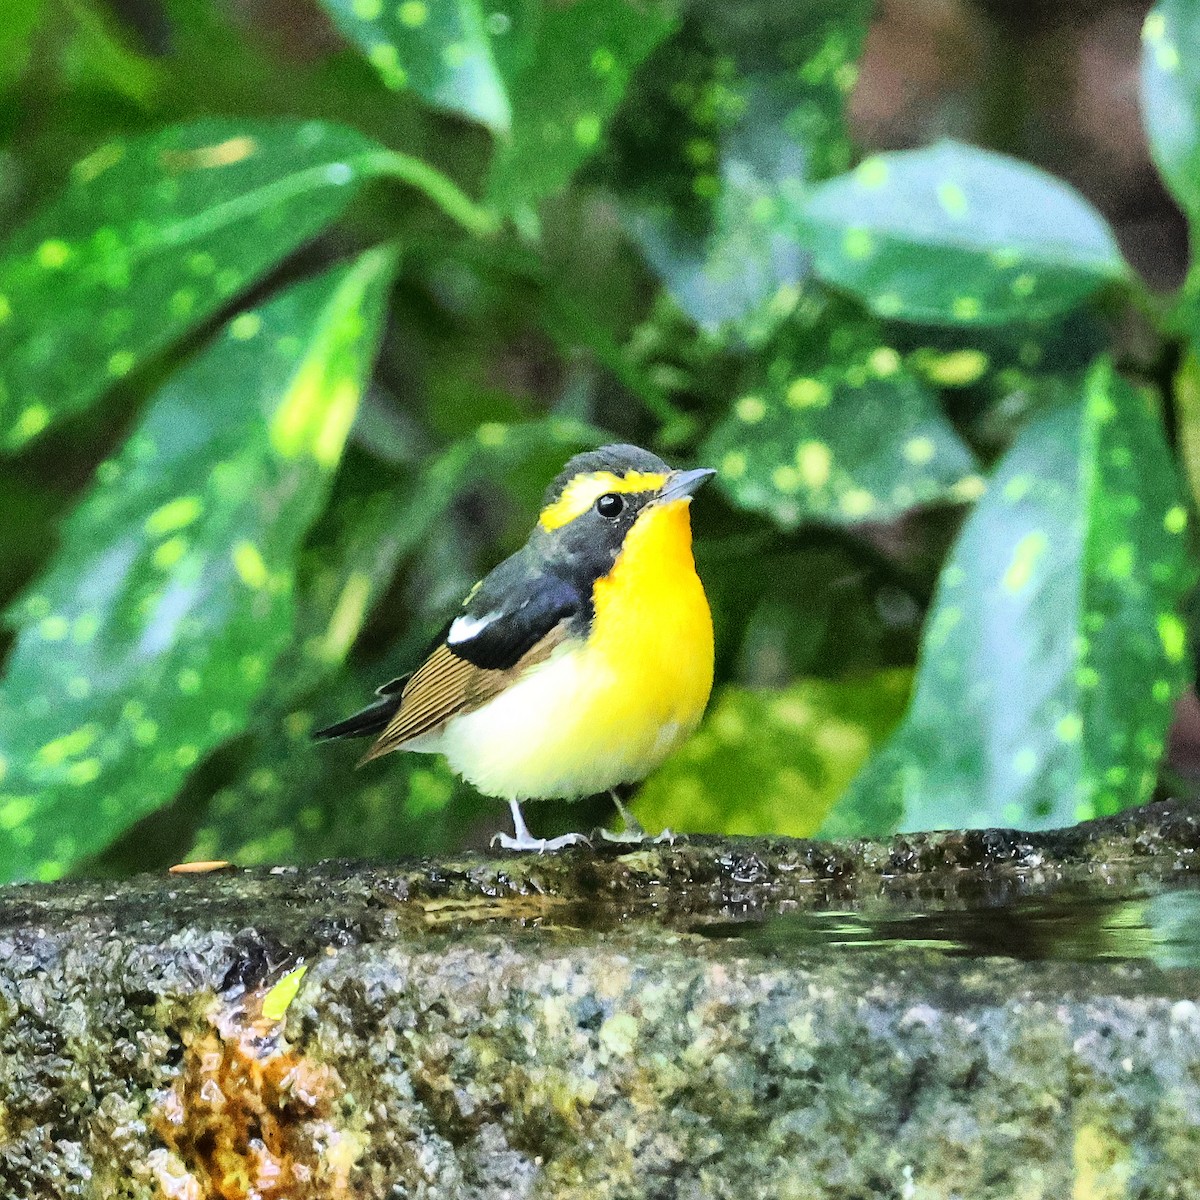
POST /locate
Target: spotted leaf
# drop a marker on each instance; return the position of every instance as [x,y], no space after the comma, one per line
[566,67]
[733,120]
[1171,96]
[1053,652]
[958,235]
[438,48]
[774,761]
[159,620]
[151,237]
[840,442]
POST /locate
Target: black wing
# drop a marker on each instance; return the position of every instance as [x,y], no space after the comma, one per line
[516,609]
[512,610]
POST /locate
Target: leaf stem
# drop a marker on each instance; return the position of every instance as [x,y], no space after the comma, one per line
[444,192]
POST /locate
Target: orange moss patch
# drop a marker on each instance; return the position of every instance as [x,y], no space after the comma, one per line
[248,1118]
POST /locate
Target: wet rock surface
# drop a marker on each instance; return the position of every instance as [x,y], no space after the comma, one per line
[725,1018]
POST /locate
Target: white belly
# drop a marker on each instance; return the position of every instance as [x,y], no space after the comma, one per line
[566,729]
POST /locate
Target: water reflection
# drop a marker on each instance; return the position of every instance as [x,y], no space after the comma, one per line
[1163,928]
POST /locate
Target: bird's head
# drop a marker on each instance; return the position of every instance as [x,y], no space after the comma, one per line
[597,500]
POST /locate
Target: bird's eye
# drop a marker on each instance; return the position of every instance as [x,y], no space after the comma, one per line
[610,505]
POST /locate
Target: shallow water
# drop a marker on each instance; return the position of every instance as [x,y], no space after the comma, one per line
[1072,925]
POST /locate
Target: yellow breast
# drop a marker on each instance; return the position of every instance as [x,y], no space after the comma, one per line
[609,709]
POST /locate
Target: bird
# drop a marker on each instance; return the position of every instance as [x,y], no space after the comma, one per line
[579,663]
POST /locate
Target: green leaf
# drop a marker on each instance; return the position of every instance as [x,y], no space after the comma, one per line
[1053,653]
[1171,96]
[734,120]
[164,610]
[773,762]
[155,234]
[959,235]
[566,69]
[439,48]
[839,439]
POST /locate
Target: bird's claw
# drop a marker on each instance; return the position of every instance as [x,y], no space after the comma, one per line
[639,837]
[540,845]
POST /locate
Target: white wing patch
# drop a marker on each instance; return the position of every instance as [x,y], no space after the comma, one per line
[464,628]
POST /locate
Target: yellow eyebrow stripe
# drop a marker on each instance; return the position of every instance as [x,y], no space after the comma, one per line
[584,490]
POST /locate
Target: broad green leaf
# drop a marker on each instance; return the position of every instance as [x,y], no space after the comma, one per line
[566,72]
[1171,96]
[738,117]
[959,235]
[776,761]
[438,48]
[164,610]
[1053,653]
[744,270]
[155,234]
[840,441]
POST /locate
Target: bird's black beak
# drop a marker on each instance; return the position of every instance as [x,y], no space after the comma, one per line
[682,484]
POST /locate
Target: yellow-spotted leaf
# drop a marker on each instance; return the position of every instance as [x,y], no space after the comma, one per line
[840,442]
[566,67]
[438,48]
[162,613]
[155,234]
[1054,650]
[774,761]
[1171,96]
[732,121]
[958,235]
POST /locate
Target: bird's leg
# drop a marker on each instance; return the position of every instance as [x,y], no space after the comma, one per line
[524,840]
[633,834]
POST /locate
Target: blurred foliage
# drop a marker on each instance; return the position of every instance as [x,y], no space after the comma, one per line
[303,305]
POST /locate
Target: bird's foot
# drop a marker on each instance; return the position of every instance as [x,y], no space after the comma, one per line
[637,836]
[541,845]
[633,834]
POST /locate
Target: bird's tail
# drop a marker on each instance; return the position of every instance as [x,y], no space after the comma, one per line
[368,721]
